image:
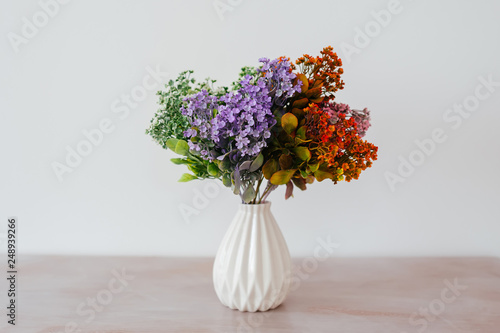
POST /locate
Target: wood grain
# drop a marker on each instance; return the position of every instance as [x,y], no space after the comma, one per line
[176,295]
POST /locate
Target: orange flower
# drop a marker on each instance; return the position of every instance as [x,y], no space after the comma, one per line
[338,146]
[325,68]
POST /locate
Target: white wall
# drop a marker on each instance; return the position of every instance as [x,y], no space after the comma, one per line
[124,199]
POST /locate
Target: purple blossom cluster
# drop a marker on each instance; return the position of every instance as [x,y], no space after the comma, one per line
[200,111]
[279,78]
[240,120]
[361,117]
[245,117]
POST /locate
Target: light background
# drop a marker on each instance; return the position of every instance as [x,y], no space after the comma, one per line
[124,199]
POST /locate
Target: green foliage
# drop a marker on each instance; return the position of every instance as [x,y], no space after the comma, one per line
[168,121]
[282,177]
[289,122]
[270,168]
[213,170]
[292,162]
[303,153]
[257,163]
[322,175]
[249,194]
[289,163]
[226,180]
[168,125]
[178,161]
[187,177]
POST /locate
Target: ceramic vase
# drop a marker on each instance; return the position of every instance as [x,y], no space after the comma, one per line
[252,268]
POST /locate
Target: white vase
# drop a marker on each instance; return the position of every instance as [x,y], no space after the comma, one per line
[252,269]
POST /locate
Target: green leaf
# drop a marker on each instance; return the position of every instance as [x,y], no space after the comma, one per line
[300,183]
[172,143]
[225,165]
[300,103]
[193,159]
[299,113]
[322,175]
[313,167]
[187,177]
[182,148]
[282,177]
[257,163]
[198,169]
[303,153]
[289,122]
[245,165]
[249,194]
[236,189]
[179,161]
[270,168]
[236,183]
[213,169]
[226,180]
[301,133]
[286,161]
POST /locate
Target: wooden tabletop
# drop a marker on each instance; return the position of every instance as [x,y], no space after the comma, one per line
[158,294]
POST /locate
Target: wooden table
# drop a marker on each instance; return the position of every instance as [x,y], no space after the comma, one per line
[158,294]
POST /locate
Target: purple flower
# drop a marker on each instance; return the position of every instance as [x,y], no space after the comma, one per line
[236,121]
[246,116]
[278,77]
[199,110]
[240,120]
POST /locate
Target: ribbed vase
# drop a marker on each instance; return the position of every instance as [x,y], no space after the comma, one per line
[252,269]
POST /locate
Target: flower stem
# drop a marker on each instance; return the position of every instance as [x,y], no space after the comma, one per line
[257,190]
[268,188]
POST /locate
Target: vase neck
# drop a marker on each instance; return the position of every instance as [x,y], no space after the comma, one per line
[255,209]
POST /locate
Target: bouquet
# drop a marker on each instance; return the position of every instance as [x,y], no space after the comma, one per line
[278,124]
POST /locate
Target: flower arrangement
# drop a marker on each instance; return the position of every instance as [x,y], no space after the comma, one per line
[278,123]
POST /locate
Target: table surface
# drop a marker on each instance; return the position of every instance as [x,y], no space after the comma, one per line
[159,294]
